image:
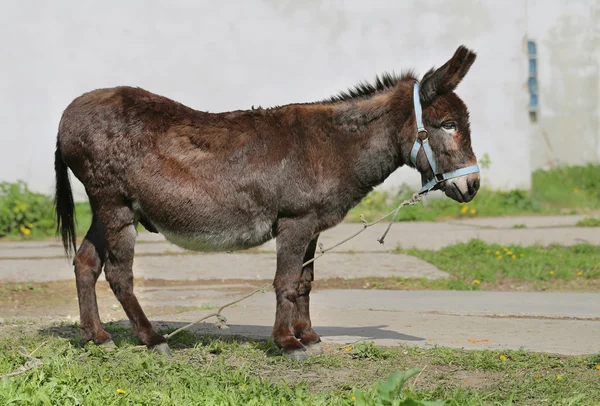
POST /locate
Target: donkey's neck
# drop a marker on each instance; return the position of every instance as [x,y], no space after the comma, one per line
[378,122]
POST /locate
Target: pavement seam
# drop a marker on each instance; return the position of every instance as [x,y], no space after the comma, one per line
[492,315]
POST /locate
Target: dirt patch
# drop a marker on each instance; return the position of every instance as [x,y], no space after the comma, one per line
[59,299]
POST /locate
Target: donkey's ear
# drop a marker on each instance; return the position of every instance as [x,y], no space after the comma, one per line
[445,79]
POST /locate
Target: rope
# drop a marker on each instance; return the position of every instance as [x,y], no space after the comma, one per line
[30,364]
[222,321]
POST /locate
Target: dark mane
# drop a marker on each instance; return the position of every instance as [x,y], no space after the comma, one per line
[382,82]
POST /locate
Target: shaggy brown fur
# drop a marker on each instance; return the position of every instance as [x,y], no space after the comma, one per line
[216,182]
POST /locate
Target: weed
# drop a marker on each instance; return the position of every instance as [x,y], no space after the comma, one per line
[233,371]
[369,350]
[589,222]
[389,392]
[477,260]
[576,188]
[23,212]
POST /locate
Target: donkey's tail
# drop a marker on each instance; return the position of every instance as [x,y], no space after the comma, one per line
[64,204]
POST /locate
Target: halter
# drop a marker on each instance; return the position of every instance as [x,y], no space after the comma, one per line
[424,143]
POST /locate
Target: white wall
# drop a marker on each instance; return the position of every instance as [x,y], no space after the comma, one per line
[229,55]
[567,37]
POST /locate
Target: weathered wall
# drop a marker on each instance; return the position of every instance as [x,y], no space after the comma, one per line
[229,55]
[567,130]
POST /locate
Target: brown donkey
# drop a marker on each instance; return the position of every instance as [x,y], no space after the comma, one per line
[230,181]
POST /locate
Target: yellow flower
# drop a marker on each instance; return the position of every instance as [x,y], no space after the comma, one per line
[473,211]
[353,398]
[505,249]
[30,225]
[514,257]
[579,274]
[24,230]
[597,366]
[348,348]
[502,358]
[575,190]
[243,385]
[368,201]
[121,391]
[476,281]
[558,377]
[551,272]
[537,376]
[106,379]
[464,209]
[497,252]
[509,253]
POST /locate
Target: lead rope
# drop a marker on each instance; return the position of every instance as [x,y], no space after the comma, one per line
[222,320]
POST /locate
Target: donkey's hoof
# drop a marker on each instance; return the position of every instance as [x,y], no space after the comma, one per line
[297,354]
[108,345]
[314,348]
[162,349]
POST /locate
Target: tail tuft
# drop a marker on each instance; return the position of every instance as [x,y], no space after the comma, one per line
[64,204]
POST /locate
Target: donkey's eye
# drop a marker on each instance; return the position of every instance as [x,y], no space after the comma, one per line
[449,125]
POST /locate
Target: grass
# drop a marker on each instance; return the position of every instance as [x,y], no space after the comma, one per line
[559,190]
[476,262]
[589,222]
[488,202]
[231,372]
[568,187]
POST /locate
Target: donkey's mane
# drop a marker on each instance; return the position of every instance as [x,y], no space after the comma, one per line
[382,82]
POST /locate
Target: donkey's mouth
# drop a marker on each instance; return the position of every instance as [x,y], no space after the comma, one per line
[463,190]
[452,190]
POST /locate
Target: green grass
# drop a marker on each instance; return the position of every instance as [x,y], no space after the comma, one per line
[568,187]
[589,222]
[487,203]
[209,371]
[564,189]
[476,261]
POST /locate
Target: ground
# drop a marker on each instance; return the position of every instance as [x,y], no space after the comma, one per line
[523,330]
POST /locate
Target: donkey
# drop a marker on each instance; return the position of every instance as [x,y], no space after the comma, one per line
[234,180]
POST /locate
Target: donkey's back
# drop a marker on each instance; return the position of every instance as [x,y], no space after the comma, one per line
[208,182]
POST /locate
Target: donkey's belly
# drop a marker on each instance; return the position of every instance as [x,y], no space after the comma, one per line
[221,239]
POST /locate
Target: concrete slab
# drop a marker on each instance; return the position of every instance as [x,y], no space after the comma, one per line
[472,320]
[422,235]
[31,250]
[527,221]
[229,267]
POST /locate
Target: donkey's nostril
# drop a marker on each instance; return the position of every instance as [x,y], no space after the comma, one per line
[473,187]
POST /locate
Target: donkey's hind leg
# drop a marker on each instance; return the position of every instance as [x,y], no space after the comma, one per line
[88,265]
[120,236]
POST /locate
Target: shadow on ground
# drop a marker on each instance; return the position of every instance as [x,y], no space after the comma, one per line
[123,335]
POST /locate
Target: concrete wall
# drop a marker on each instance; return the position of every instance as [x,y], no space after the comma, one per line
[221,56]
[567,37]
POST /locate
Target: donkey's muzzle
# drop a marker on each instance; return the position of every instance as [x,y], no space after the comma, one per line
[462,189]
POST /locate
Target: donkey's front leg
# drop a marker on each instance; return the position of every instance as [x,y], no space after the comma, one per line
[293,237]
[302,323]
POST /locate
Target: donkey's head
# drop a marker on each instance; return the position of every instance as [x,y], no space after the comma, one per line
[442,152]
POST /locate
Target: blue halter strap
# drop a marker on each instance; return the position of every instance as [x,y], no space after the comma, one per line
[424,143]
